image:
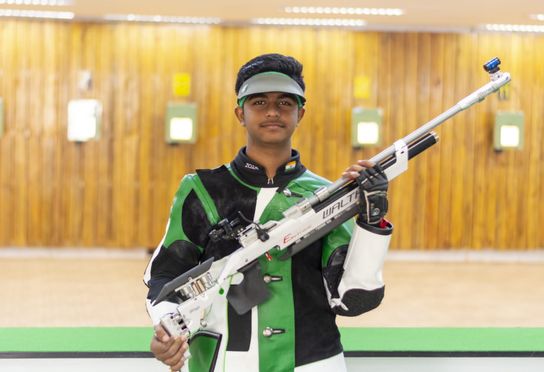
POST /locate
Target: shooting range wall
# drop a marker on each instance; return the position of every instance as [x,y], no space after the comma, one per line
[116,191]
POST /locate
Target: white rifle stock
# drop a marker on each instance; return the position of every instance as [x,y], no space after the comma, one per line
[302,224]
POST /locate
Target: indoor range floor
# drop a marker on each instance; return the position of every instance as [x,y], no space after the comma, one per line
[57,288]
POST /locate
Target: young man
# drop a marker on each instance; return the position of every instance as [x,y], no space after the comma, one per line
[294,329]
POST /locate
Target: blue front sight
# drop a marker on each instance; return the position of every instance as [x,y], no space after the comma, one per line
[492,66]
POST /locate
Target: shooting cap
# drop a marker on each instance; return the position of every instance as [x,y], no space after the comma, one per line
[270,81]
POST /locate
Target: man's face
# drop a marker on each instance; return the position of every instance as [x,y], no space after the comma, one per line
[270,118]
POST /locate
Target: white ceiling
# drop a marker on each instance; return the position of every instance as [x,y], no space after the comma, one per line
[419,14]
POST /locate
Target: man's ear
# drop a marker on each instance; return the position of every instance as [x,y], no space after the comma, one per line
[301,112]
[239,112]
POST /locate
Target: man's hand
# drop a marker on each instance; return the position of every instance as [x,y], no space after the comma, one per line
[167,349]
[352,172]
[373,186]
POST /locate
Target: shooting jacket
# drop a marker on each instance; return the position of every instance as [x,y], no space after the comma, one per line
[294,329]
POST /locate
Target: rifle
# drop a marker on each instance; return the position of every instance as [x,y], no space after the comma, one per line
[302,224]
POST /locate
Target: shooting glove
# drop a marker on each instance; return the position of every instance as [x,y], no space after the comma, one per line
[373,186]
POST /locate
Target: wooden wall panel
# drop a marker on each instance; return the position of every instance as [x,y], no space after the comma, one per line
[116,192]
[535,157]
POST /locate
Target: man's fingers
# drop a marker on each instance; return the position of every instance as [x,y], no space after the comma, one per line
[160,333]
[350,175]
[173,351]
[353,171]
[175,359]
[174,362]
[366,163]
[355,168]
[158,347]
[180,364]
[165,350]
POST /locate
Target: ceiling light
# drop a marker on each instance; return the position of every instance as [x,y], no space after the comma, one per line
[37,2]
[333,22]
[539,17]
[35,14]
[513,28]
[342,10]
[160,19]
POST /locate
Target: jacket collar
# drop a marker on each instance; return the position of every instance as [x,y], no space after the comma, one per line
[254,173]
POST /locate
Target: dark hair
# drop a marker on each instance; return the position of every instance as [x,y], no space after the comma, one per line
[271,62]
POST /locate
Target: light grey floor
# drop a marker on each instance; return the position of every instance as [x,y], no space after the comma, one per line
[354,365]
[445,364]
[103,287]
[422,290]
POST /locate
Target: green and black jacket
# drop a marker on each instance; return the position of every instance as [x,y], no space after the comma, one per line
[296,325]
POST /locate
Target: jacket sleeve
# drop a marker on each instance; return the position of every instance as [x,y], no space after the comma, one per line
[180,248]
[352,267]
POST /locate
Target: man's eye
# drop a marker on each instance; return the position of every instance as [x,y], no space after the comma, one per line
[286,103]
[259,102]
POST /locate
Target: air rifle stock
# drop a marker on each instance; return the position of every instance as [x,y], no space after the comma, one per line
[305,222]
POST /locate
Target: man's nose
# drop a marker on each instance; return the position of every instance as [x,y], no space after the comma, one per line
[272,110]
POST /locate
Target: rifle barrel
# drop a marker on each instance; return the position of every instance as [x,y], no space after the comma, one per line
[498,80]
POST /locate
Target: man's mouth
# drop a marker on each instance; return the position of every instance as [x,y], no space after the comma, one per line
[274,124]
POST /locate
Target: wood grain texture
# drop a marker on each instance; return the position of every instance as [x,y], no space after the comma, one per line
[116,191]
